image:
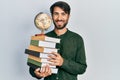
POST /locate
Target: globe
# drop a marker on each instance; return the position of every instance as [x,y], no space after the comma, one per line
[42,21]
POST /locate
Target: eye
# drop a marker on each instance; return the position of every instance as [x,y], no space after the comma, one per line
[55,14]
[63,14]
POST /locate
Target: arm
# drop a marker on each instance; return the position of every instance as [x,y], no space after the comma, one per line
[77,66]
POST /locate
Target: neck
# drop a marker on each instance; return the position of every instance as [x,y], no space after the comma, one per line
[60,31]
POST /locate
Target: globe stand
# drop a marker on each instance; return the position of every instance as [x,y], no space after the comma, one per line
[41,34]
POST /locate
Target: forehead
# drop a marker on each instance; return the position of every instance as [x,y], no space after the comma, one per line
[58,10]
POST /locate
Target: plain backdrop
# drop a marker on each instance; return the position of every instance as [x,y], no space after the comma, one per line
[97,21]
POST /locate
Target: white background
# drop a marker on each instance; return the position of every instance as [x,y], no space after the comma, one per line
[97,21]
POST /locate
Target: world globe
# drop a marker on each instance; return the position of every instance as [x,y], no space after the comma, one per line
[42,21]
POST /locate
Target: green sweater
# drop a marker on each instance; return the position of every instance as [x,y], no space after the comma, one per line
[73,52]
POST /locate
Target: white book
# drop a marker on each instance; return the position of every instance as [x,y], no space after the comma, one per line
[42,49]
[54,70]
[49,50]
[44,43]
[43,60]
[52,39]
[46,38]
[44,55]
[47,44]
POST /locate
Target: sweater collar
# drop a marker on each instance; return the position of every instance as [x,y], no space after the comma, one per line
[62,34]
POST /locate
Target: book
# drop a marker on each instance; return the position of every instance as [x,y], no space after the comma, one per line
[39,49]
[44,44]
[54,70]
[44,60]
[45,38]
[37,54]
[40,64]
[42,49]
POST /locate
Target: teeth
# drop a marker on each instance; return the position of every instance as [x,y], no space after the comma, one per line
[59,22]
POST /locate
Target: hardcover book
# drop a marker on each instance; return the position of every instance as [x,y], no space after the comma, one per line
[44,44]
[37,54]
[44,60]
[40,64]
[42,49]
[45,38]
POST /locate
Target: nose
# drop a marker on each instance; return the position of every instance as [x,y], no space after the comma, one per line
[59,17]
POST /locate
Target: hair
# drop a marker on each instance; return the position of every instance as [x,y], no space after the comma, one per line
[62,5]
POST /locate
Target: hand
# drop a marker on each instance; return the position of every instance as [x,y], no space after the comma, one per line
[55,59]
[43,72]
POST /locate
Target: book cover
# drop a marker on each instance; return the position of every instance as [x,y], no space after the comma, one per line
[40,64]
[42,49]
[45,38]
[44,44]
[44,60]
[37,54]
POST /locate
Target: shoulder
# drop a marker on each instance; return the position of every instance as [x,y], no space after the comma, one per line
[74,34]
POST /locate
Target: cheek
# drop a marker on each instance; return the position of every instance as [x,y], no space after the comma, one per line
[54,18]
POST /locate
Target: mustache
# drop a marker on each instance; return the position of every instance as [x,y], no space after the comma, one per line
[59,20]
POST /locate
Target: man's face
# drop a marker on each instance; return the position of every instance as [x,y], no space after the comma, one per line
[60,18]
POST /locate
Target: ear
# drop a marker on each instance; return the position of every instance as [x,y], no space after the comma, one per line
[69,16]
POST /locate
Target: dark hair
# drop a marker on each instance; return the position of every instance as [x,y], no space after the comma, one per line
[62,5]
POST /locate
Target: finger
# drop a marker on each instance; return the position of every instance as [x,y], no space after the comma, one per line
[38,69]
[49,70]
[52,57]
[54,53]
[42,70]
[53,63]
[37,72]
[52,60]
[46,69]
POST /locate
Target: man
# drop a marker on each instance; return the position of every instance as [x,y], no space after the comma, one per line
[71,59]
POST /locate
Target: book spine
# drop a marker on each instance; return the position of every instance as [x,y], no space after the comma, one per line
[42,49]
[34,62]
[42,60]
[42,37]
[36,54]
[43,43]
[40,64]
[31,52]
[46,38]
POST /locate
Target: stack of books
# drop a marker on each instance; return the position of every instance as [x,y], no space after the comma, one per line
[40,47]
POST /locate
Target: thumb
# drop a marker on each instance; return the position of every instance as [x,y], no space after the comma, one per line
[38,69]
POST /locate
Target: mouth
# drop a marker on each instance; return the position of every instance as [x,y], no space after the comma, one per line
[59,22]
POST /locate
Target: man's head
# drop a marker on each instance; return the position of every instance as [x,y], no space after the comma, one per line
[63,5]
[60,12]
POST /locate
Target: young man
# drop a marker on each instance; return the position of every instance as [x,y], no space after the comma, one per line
[71,59]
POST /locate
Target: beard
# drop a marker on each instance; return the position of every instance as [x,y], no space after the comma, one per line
[60,26]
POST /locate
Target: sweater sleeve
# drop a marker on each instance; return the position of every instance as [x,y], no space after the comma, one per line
[79,65]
